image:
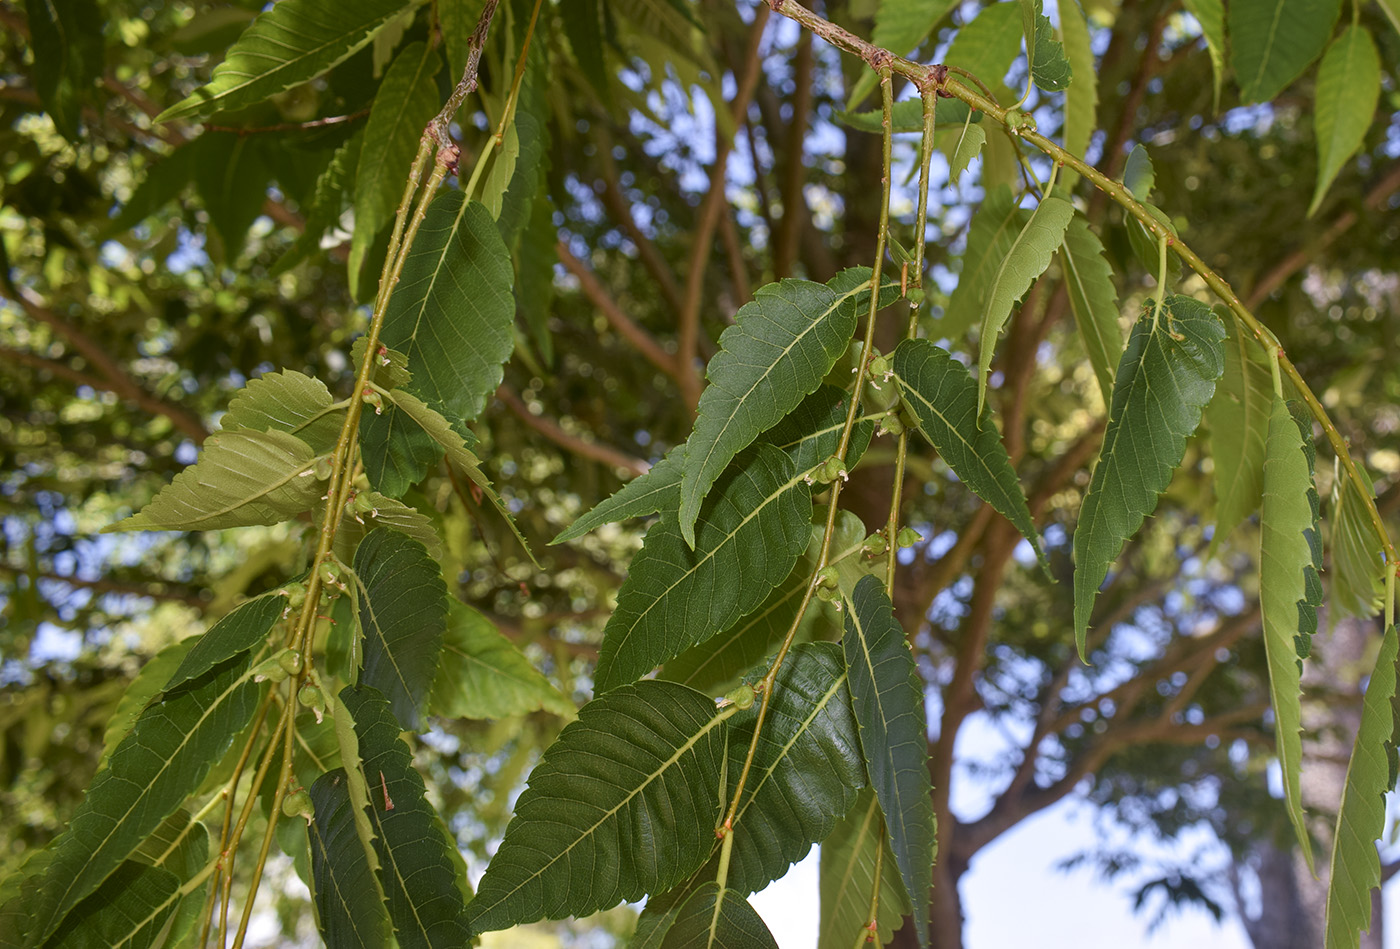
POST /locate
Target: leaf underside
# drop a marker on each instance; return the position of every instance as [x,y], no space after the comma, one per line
[1238,417]
[848,877]
[483,675]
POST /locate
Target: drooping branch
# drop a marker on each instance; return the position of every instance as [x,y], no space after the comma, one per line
[593,288]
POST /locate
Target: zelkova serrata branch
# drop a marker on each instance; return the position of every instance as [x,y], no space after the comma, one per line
[937,77]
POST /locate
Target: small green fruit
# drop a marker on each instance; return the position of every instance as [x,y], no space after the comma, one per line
[310,696]
[298,804]
[291,660]
[742,697]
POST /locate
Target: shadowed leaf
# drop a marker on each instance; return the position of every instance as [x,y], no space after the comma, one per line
[848,877]
[1273,41]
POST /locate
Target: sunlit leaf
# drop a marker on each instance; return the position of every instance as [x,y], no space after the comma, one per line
[1290,550]
[483,675]
[782,345]
[289,43]
[995,225]
[1026,259]
[241,478]
[1238,417]
[1273,41]
[164,759]
[848,878]
[1082,96]
[942,396]
[889,705]
[747,540]
[1356,863]
[1348,88]
[403,606]
[1165,378]
[624,803]
[1050,70]
[1093,300]
[350,908]
[407,100]
[290,402]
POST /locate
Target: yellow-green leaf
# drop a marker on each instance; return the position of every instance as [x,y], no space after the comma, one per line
[1348,88]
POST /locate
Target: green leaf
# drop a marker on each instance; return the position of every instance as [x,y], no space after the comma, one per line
[350,908]
[988,45]
[848,878]
[1288,532]
[389,513]
[146,686]
[994,227]
[888,699]
[231,176]
[1210,14]
[782,345]
[806,770]
[715,918]
[290,402]
[900,25]
[328,198]
[406,102]
[483,675]
[1348,88]
[659,489]
[241,478]
[942,396]
[1356,863]
[1238,418]
[1093,300]
[397,452]
[811,433]
[289,43]
[129,909]
[68,57]
[417,872]
[236,633]
[150,774]
[1273,41]
[403,606]
[966,147]
[623,804]
[1139,177]
[1392,12]
[493,188]
[1165,378]
[452,309]
[747,540]
[1050,70]
[1027,258]
[1358,569]
[1082,97]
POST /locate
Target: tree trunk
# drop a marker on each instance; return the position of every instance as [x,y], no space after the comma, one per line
[1292,901]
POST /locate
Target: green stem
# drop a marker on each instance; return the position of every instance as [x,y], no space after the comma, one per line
[871,932]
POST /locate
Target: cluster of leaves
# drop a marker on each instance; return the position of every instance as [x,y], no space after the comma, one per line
[750,580]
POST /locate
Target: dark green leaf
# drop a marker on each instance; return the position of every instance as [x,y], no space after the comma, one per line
[290,402]
[452,309]
[1050,70]
[994,228]
[806,770]
[483,675]
[289,43]
[848,878]
[624,803]
[889,705]
[1356,864]
[417,873]
[750,535]
[128,910]
[241,478]
[406,102]
[66,41]
[1094,301]
[811,433]
[1238,418]
[1273,41]
[1210,14]
[782,345]
[1165,378]
[236,633]
[350,910]
[150,774]
[403,609]
[328,199]
[231,177]
[397,452]
[147,684]
[385,512]
[659,489]
[714,918]
[1288,532]
[942,396]
[1026,259]
[1348,88]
